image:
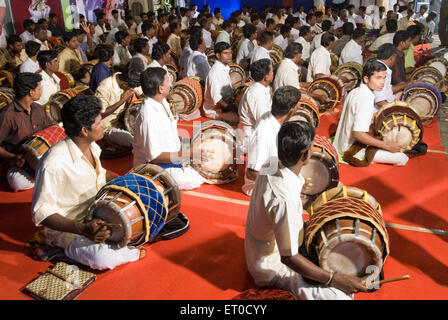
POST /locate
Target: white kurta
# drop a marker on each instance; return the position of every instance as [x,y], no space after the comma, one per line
[320,62]
[287,75]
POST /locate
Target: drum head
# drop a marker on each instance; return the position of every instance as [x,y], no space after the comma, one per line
[108,213]
[219,153]
[316,175]
[180,101]
[422,103]
[399,134]
[237,77]
[130,115]
[439,65]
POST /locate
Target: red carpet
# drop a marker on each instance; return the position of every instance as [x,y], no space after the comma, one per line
[208,261]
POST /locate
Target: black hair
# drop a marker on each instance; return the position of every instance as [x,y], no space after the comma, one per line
[309,17]
[326,25]
[260,68]
[292,50]
[27,23]
[221,46]
[13,39]
[347,28]
[195,41]
[414,30]
[249,30]
[80,112]
[293,140]
[32,48]
[269,22]
[386,51]
[104,52]
[304,30]
[284,99]
[318,14]
[151,79]
[120,36]
[146,26]
[266,36]
[391,25]
[131,78]
[226,24]
[25,82]
[52,15]
[39,28]
[401,36]
[41,21]
[372,66]
[358,33]
[67,36]
[285,28]
[46,56]
[173,26]
[326,39]
[114,11]
[139,44]
[159,49]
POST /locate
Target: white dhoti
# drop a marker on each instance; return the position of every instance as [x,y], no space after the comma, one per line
[19,179]
[120,137]
[186,178]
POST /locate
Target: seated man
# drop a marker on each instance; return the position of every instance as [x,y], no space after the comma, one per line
[391,26]
[415,31]
[70,59]
[102,69]
[186,52]
[387,54]
[139,62]
[174,40]
[40,36]
[160,55]
[320,62]
[275,229]
[266,42]
[122,56]
[115,94]
[14,56]
[256,100]
[19,120]
[51,83]
[287,72]
[247,46]
[352,51]
[356,118]
[197,62]
[155,135]
[28,34]
[218,93]
[402,41]
[282,39]
[304,39]
[227,27]
[32,49]
[263,142]
[347,31]
[68,179]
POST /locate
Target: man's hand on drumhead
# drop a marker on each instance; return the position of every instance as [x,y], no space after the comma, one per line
[394,146]
[96,231]
[348,284]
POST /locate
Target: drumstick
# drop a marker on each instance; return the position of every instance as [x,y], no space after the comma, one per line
[236,83]
[111,225]
[405,277]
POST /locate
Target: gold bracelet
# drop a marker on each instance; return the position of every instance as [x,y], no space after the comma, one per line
[331,278]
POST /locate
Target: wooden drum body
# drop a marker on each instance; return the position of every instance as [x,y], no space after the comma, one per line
[347,233]
[399,122]
[7,95]
[130,114]
[307,110]
[216,141]
[187,95]
[424,98]
[57,101]
[440,64]
[428,74]
[276,54]
[237,75]
[352,72]
[331,87]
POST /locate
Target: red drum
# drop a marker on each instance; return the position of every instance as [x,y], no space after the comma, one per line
[346,232]
[67,80]
[331,87]
[322,172]
[187,95]
[39,143]
[307,110]
[217,140]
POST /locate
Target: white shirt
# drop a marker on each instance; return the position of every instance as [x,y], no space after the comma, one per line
[320,62]
[306,48]
[115,23]
[315,44]
[387,93]
[29,66]
[50,85]
[26,36]
[197,65]
[66,183]
[356,115]
[245,51]
[287,75]
[256,101]
[207,35]
[281,42]
[352,52]
[99,31]
[43,45]
[155,131]
[294,35]
[260,53]
[274,225]
[386,38]
[338,24]
[185,23]
[217,86]
[417,16]
[183,60]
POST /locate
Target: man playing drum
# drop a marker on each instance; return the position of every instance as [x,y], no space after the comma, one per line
[218,93]
[320,62]
[67,182]
[275,230]
[262,144]
[156,139]
[51,83]
[18,121]
[357,115]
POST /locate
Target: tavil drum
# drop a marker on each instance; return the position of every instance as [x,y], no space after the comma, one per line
[57,101]
[237,75]
[440,64]
[352,74]
[331,87]
[347,233]
[137,205]
[187,95]
[6,79]
[173,72]
[39,143]
[322,172]
[276,54]
[7,95]
[427,74]
[424,98]
[306,110]
[210,53]
[130,114]
[238,94]
[214,145]
[398,122]
[67,80]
